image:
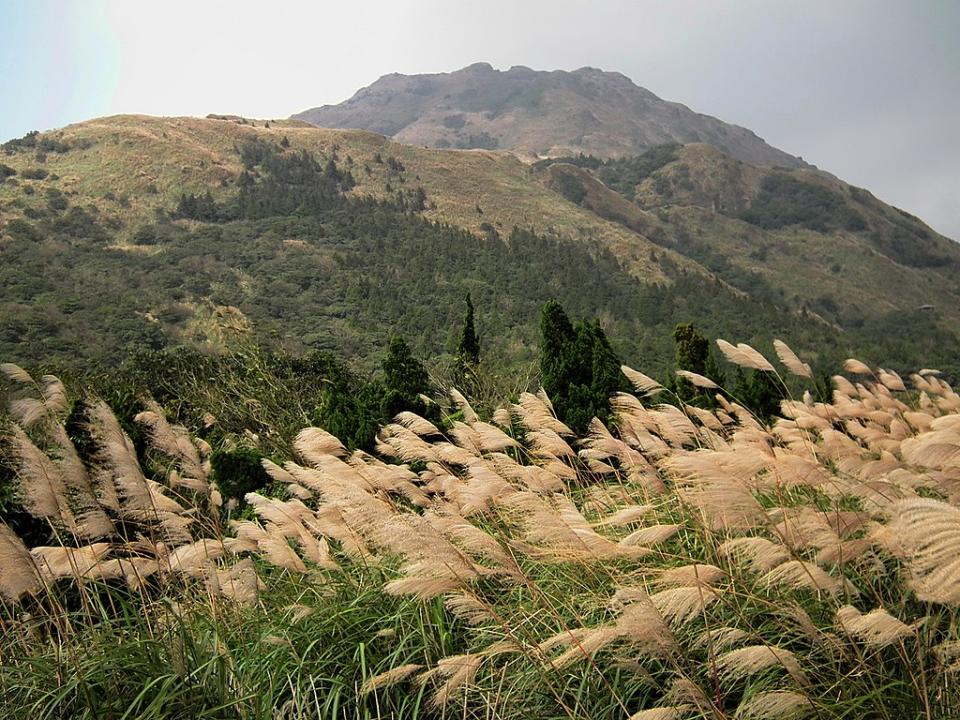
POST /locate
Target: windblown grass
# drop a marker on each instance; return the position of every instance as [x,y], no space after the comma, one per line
[682,563]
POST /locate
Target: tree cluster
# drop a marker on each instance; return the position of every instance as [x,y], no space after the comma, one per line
[579,369]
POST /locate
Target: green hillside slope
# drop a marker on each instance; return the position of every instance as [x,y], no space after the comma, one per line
[796,238]
[133,231]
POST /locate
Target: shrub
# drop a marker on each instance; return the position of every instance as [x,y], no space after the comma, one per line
[34,173]
[454,122]
[28,141]
[785,200]
[238,471]
[56,200]
[22,230]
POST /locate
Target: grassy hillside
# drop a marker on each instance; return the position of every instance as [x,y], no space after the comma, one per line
[100,256]
[130,166]
[797,238]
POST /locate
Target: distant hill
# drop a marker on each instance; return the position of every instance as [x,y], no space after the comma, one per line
[546,113]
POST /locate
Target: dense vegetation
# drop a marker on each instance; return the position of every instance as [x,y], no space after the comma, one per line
[728,541]
[248,405]
[621,174]
[624,174]
[785,200]
[313,269]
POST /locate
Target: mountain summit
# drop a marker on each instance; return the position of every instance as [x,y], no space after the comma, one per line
[548,113]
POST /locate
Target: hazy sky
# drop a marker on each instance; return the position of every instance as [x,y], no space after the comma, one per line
[869,90]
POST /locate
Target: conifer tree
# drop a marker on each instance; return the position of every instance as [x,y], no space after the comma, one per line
[759,392]
[693,354]
[405,379]
[579,369]
[468,351]
[692,348]
[353,414]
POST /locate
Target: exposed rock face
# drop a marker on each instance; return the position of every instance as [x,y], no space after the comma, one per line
[547,113]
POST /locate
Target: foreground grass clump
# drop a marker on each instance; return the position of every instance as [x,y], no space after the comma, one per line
[681,563]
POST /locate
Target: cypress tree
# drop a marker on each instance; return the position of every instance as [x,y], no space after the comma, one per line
[693,354]
[405,379]
[353,414]
[692,348]
[759,392]
[578,367]
[556,335]
[468,351]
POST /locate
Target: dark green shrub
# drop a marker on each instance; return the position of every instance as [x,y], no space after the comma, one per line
[785,200]
[624,174]
[34,174]
[238,471]
[579,370]
[22,230]
[454,122]
[56,200]
[28,141]
[570,186]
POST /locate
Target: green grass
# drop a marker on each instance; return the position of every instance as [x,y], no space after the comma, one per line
[123,659]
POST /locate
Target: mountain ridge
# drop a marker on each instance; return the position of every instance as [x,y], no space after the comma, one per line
[545,113]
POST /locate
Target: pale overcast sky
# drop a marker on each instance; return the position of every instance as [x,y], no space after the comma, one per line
[868,90]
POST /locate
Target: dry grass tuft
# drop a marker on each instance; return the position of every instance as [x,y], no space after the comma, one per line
[774,705]
[642,383]
[736,665]
[877,628]
[790,360]
[18,571]
[697,380]
[390,677]
[744,356]
[674,712]
[926,534]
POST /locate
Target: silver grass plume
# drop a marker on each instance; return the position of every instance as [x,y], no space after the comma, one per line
[18,572]
[790,360]
[745,356]
[41,485]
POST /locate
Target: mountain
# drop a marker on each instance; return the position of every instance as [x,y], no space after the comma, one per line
[136,231]
[546,113]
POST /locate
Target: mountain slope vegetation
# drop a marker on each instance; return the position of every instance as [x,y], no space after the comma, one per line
[132,231]
[794,237]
